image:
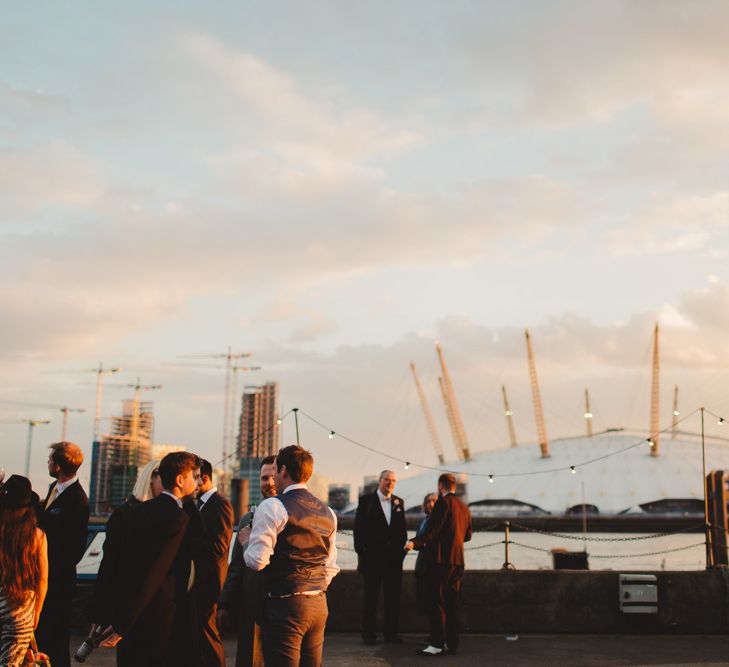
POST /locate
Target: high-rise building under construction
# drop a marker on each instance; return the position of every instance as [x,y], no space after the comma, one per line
[118,456]
[258,435]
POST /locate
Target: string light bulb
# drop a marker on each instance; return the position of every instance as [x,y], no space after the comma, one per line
[721,421]
[676,413]
[491,479]
[650,442]
[278,421]
[331,434]
[407,465]
[572,470]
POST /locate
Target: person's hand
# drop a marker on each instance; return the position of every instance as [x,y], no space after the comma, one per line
[222,619]
[244,535]
[112,640]
[409,545]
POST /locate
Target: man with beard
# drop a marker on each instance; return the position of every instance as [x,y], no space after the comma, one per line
[241,599]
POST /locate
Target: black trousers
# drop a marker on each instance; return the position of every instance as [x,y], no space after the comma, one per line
[211,643]
[293,630]
[53,633]
[445,612]
[377,576]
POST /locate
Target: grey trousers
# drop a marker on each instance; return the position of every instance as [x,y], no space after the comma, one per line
[293,630]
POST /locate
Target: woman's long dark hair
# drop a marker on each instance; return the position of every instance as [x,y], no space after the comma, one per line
[19,547]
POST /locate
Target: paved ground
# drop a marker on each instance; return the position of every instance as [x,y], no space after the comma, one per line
[344,650]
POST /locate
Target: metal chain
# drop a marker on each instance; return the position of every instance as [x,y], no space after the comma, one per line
[651,553]
[605,539]
[529,546]
[485,546]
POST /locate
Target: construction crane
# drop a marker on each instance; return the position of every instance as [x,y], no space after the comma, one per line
[32,423]
[64,409]
[100,373]
[449,396]
[588,414]
[537,399]
[509,418]
[654,435]
[437,444]
[229,398]
[674,414]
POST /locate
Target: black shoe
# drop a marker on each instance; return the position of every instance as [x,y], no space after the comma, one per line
[369,641]
[394,639]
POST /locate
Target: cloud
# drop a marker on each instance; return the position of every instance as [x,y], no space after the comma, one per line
[319,325]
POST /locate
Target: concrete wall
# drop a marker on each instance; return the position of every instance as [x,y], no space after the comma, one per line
[542,601]
[549,601]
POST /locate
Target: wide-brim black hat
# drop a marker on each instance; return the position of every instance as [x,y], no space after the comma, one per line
[17,492]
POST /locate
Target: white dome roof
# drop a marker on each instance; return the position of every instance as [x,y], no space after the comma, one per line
[619,481]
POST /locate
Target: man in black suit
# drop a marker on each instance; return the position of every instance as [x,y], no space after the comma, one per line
[449,526]
[64,516]
[153,592]
[211,564]
[379,538]
[241,601]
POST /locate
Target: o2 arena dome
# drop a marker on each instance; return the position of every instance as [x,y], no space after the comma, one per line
[614,470]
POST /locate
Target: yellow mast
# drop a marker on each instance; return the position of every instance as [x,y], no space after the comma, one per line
[537,399]
[655,397]
[509,418]
[588,414]
[457,425]
[428,417]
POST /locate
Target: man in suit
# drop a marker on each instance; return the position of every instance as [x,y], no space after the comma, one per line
[449,526]
[379,538]
[241,600]
[148,619]
[211,564]
[64,516]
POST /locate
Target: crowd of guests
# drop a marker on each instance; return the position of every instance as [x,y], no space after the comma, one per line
[165,589]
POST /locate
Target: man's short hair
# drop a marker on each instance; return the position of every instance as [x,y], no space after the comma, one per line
[448,481]
[67,456]
[206,468]
[176,463]
[384,472]
[298,461]
[268,460]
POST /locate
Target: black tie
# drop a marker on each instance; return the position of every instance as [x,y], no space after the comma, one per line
[200,503]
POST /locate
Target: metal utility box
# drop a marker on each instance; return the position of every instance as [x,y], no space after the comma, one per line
[638,593]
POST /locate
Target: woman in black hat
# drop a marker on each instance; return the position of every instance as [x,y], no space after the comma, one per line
[23,569]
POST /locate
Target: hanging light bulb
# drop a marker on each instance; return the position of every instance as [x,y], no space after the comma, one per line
[572,470]
[331,434]
[278,421]
[721,421]
[491,479]
[407,465]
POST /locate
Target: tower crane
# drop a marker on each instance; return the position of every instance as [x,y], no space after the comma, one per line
[437,444]
[509,418]
[449,396]
[32,423]
[537,399]
[230,367]
[674,414]
[64,409]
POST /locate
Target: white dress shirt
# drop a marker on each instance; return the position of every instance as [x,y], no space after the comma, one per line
[62,486]
[386,503]
[268,521]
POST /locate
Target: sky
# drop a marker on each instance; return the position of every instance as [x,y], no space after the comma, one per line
[334,186]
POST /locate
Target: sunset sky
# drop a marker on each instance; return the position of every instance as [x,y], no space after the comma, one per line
[333,186]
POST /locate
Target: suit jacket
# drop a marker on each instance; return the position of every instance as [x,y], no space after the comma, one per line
[375,542]
[449,526]
[110,566]
[152,581]
[65,523]
[211,558]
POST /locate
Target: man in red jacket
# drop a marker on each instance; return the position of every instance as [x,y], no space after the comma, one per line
[449,527]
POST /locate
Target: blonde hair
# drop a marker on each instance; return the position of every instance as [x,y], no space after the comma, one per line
[67,456]
[142,490]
